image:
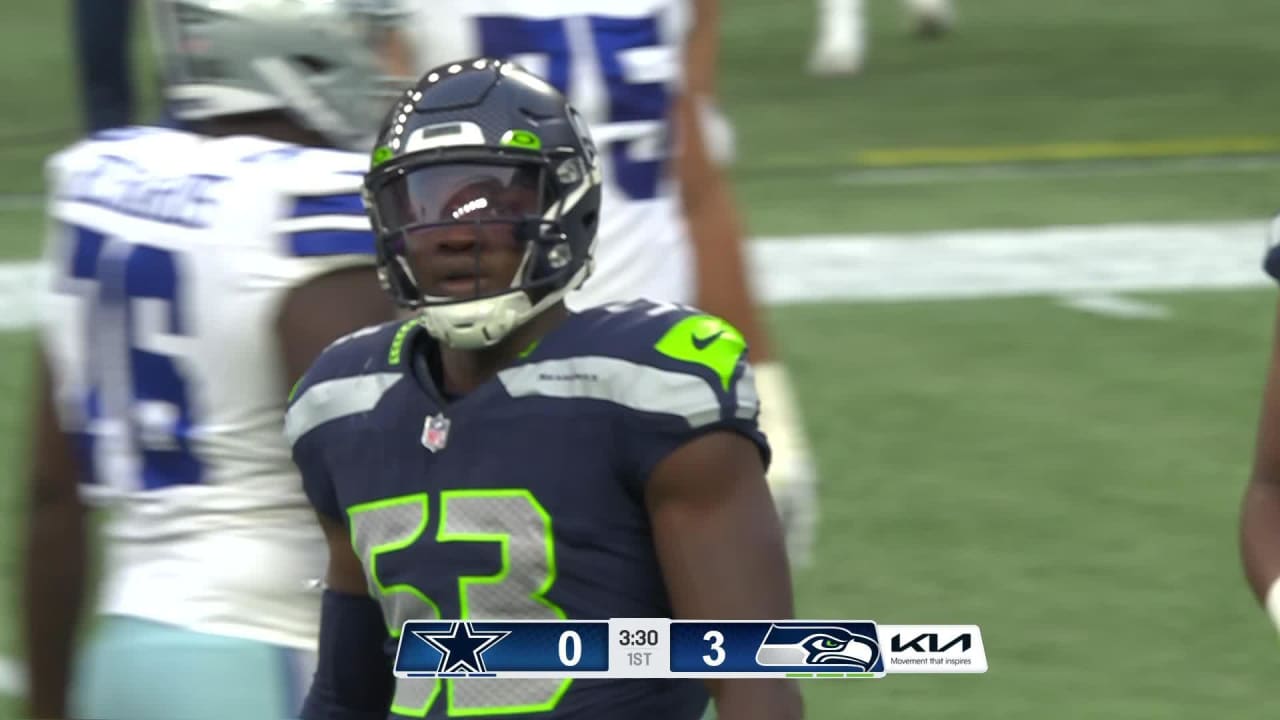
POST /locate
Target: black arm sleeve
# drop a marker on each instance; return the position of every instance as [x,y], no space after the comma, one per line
[354,679]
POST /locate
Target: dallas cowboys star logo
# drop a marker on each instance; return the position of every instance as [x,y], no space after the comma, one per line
[461,647]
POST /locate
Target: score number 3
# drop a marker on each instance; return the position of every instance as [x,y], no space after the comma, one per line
[716,656]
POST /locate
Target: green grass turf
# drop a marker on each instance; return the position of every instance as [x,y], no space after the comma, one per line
[1067,481]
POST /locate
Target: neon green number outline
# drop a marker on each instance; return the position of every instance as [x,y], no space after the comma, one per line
[465,582]
[384,591]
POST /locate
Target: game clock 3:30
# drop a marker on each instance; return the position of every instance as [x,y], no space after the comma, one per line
[637,638]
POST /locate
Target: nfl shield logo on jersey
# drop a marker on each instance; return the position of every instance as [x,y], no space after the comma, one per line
[435,432]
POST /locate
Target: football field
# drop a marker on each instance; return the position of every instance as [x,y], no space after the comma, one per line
[1015,275]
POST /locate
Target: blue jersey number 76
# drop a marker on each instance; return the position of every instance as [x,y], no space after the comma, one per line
[136,406]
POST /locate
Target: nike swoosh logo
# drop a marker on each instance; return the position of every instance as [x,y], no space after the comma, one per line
[702,343]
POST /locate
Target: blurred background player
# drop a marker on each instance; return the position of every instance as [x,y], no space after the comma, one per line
[642,73]
[840,46]
[101,30]
[196,273]
[1260,516]
[497,456]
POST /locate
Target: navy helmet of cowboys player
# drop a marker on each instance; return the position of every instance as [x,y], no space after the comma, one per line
[196,272]
[497,456]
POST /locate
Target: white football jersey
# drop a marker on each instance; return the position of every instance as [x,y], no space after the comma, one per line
[170,256]
[619,63]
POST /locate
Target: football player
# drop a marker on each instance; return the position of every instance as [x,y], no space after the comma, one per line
[1260,516]
[643,74]
[196,274]
[499,456]
[840,46]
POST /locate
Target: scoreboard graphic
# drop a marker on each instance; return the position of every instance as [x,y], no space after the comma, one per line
[665,648]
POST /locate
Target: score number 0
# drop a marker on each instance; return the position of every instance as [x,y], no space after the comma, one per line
[716,656]
[570,648]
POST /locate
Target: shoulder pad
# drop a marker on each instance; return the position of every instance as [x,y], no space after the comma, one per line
[647,357]
[321,211]
[349,376]
[367,350]
[669,335]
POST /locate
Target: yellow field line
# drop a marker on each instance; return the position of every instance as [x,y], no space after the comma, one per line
[992,154]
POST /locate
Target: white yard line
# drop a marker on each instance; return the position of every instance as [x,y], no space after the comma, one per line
[1052,261]
[19,285]
[1085,266]
[13,677]
[1056,261]
[1117,306]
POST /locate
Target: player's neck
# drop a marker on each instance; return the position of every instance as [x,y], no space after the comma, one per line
[466,370]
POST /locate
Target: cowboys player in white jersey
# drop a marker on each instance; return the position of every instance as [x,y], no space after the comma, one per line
[642,73]
[196,274]
[840,45]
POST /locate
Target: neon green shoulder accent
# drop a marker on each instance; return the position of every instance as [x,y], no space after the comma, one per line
[294,390]
[397,343]
[705,340]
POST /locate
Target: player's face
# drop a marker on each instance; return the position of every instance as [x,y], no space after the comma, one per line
[462,239]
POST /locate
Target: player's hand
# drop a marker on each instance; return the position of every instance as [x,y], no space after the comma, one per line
[792,475]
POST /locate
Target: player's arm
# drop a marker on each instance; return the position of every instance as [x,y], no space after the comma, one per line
[714,223]
[54,559]
[724,287]
[353,679]
[326,308]
[722,554]
[1260,516]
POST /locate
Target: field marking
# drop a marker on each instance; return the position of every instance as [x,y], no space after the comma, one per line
[20,283]
[1053,261]
[13,677]
[1085,266]
[1116,306]
[953,265]
[1067,151]
[907,176]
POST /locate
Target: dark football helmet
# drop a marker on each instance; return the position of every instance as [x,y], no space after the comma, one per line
[484,193]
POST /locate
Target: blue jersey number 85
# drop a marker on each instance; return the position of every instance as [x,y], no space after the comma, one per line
[642,105]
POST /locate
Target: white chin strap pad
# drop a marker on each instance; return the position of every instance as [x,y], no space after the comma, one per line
[477,323]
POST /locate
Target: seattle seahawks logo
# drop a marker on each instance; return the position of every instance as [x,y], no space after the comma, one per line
[821,646]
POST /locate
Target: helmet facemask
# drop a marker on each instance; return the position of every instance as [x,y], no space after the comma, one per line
[473,240]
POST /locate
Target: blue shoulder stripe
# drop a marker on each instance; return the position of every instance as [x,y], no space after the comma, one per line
[313,205]
[315,243]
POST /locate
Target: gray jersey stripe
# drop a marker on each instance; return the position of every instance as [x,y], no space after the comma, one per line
[748,401]
[333,399]
[635,386]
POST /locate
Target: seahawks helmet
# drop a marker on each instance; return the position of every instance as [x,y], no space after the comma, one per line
[482,160]
[322,62]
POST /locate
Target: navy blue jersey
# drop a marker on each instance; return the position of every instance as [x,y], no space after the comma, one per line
[523,499]
[1271,262]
